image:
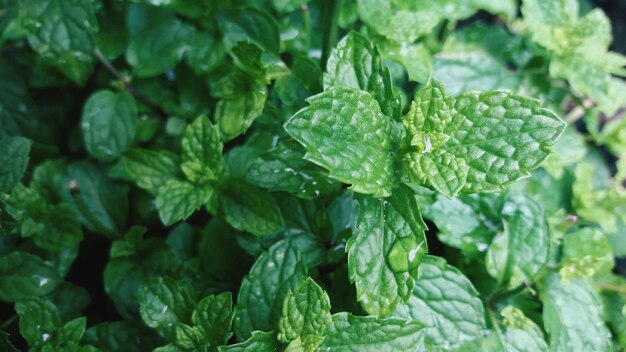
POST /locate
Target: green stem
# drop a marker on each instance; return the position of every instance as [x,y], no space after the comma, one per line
[330,29]
[127,86]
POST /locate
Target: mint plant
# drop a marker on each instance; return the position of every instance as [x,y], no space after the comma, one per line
[310,175]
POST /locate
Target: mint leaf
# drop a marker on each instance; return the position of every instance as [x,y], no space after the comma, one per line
[356,63]
[214,316]
[283,168]
[158,47]
[519,253]
[61,31]
[248,208]
[258,342]
[262,292]
[383,258]
[150,169]
[39,321]
[13,161]
[586,252]
[463,72]
[519,333]
[249,23]
[177,200]
[353,333]
[132,334]
[108,124]
[202,151]
[235,113]
[24,275]
[163,303]
[572,316]
[461,226]
[446,303]
[501,136]
[344,131]
[306,312]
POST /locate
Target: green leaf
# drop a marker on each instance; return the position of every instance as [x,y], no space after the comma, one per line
[353,333]
[108,124]
[249,23]
[13,161]
[150,169]
[400,21]
[132,335]
[134,259]
[24,275]
[205,54]
[69,299]
[214,316]
[306,311]
[519,253]
[234,114]
[572,316]
[163,303]
[441,170]
[446,303]
[39,321]
[463,72]
[501,136]
[344,131]
[283,168]
[356,63]
[288,5]
[177,200]
[262,292]
[384,257]
[519,333]
[248,208]
[460,226]
[159,47]
[61,32]
[202,151]
[586,252]
[258,342]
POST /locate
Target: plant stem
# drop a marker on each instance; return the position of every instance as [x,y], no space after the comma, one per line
[330,29]
[138,95]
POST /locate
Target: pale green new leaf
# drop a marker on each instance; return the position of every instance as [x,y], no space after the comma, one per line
[13,161]
[262,292]
[306,312]
[364,334]
[586,252]
[446,303]
[61,32]
[383,258]
[517,333]
[177,200]
[249,208]
[344,131]
[572,316]
[202,151]
[108,124]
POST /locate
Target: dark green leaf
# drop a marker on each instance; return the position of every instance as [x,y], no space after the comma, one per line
[24,275]
[108,124]
[13,161]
